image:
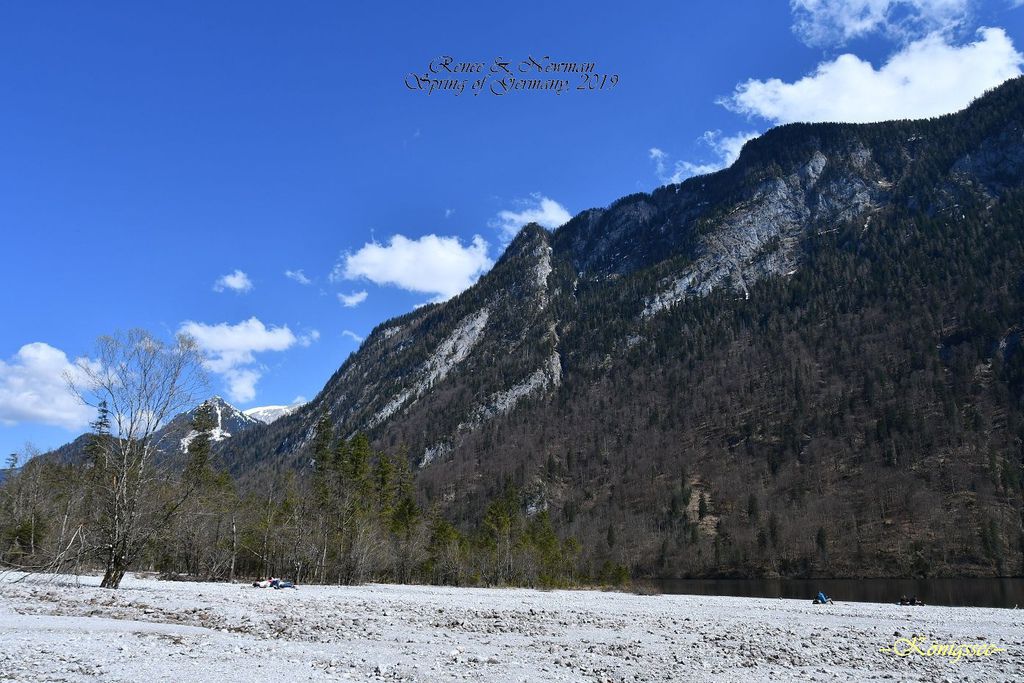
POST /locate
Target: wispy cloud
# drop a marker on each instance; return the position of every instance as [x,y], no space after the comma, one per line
[835,22]
[724,150]
[298,276]
[537,209]
[352,300]
[352,335]
[237,281]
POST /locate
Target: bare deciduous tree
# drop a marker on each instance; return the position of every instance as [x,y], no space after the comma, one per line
[137,383]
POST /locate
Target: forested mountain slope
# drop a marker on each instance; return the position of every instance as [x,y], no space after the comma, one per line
[809,362]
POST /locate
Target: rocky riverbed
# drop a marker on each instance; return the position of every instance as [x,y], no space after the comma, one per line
[67,629]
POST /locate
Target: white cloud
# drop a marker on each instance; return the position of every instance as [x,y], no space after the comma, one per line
[237,281]
[928,77]
[724,151]
[242,383]
[308,338]
[728,148]
[352,300]
[834,22]
[430,264]
[352,335]
[537,209]
[33,388]
[231,349]
[298,276]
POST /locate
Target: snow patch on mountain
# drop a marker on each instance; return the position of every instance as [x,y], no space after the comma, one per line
[267,414]
[226,413]
[218,433]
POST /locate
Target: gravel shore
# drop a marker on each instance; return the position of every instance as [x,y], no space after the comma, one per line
[63,629]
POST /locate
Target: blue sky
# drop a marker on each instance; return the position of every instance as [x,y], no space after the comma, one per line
[258,174]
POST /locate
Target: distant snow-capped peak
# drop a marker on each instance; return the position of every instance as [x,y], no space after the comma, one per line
[267,414]
[229,419]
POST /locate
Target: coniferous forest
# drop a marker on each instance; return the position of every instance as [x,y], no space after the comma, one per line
[355,519]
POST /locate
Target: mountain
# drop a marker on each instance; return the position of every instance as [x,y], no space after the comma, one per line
[808,363]
[173,438]
[229,421]
[267,414]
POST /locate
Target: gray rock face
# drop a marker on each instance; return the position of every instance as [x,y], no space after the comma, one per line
[996,164]
[761,235]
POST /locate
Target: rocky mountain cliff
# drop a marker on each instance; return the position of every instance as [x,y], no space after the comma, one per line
[804,363]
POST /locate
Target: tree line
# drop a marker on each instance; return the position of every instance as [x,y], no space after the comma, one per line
[351,516]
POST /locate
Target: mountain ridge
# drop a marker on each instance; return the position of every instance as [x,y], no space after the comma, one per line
[642,301]
[803,364]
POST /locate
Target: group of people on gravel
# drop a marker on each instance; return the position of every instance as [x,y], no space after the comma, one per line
[274,583]
[823,599]
[912,600]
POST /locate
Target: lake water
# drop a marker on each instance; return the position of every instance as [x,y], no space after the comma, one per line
[955,592]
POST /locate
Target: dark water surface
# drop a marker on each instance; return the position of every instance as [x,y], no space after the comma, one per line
[955,592]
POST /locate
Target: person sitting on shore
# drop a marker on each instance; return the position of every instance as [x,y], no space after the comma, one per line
[822,599]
